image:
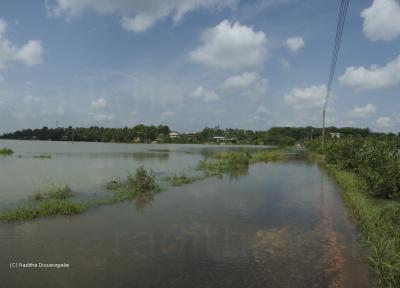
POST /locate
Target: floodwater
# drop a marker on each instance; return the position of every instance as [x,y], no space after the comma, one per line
[279,224]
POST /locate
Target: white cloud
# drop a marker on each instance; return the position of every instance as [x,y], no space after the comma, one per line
[363,111]
[31,53]
[295,43]
[204,94]
[31,99]
[312,97]
[230,46]
[138,23]
[103,117]
[167,114]
[374,77]
[137,15]
[99,103]
[3,26]
[384,122]
[382,20]
[261,110]
[240,81]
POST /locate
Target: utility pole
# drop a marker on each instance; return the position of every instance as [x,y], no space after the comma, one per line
[339,33]
[323,128]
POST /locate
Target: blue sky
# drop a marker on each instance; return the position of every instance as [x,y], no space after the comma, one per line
[190,64]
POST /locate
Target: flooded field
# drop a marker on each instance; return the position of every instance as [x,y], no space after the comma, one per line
[279,224]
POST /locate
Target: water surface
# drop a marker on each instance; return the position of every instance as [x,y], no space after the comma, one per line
[275,225]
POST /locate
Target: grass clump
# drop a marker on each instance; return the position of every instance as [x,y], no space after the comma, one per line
[46,208]
[140,186]
[54,193]
[237,163]
[6,151]
[142,181]
[43,156]
[179,180]
[279,154]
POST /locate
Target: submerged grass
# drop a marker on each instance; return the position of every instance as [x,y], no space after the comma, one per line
[54,193]
[182,179]
[237,163]
[46,208]
[43,156]
[54,201]
[6,151]
[378,219]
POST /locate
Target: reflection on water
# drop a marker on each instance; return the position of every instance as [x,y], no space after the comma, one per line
[283,225]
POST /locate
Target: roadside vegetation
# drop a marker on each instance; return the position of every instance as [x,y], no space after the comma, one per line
[369,173]
[6,151]
[140,187]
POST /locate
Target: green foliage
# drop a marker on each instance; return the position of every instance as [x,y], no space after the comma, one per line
[47,208]
[143,181]
[6,151]
[237,163]
[179,180]
[279,136]
[377,162]
[53,192]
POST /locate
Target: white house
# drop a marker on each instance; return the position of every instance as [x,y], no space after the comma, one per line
[174,135]
[335,135]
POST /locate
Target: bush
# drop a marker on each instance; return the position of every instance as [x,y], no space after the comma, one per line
[6,151]
[143,180]
[377,162]
[380,167]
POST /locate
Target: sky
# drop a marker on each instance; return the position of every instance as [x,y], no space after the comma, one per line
[250,64]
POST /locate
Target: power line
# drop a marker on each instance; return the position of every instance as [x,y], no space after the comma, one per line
[335,53]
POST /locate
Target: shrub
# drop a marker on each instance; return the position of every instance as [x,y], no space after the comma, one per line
[143,180]
[6,151]
[377,162]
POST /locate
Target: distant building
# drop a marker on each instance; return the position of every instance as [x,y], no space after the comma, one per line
[335,135]
[174,135]
[137,140]
[223,140]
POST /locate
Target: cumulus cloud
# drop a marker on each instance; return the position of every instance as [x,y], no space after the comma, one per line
[312,97]
[230,46]
[295,43]
[363,111]
[204,94]
[28,54]
[240,81]
[3,26]
[99,103]
[139,23]
[262,110]
[384,122]
[374,77]
[382,20]
[138,15]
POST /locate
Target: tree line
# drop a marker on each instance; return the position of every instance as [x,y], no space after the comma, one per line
[149,133]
